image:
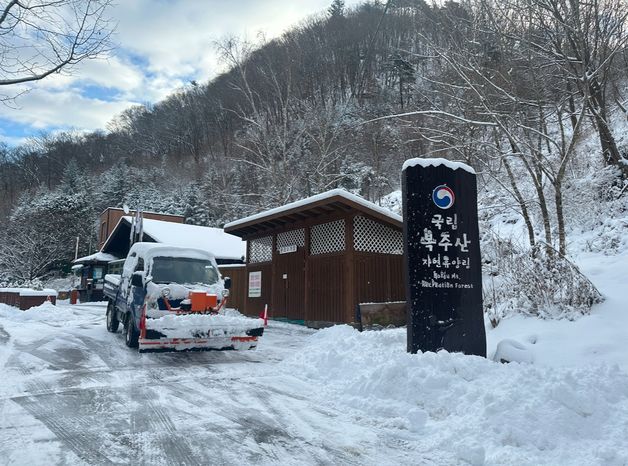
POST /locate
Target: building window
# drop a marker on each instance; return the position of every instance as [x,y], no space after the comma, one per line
[289,239]
[372,236]
[327,237]
[261,249]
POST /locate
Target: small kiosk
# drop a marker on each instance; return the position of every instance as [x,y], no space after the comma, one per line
[91,271]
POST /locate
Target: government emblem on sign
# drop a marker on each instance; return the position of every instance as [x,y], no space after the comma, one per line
[443,196]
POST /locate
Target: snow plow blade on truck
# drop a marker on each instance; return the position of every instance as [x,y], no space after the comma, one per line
[173,299]
[195,331]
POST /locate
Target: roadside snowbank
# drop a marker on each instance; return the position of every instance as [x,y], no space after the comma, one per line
[42,313]
[597,338]
[476,410]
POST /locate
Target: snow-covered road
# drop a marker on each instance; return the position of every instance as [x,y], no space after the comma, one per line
[71,393]
[74,394]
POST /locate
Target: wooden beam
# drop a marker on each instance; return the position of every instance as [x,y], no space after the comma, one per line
[350,285]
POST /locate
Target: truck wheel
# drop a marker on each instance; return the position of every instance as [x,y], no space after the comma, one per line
[112,318]
[131,334]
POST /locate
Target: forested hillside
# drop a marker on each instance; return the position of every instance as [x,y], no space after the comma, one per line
[531,93]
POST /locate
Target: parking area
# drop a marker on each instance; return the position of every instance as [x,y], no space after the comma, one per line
[74,394]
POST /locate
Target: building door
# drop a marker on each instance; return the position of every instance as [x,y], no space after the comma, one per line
[289,277]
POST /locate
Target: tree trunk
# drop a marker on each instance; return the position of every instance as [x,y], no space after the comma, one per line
[608,144]
[522,204]
[537,181]
[562,242]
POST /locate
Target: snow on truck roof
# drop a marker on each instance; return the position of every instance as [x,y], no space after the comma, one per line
[214,240]
[304,203]
[150,250]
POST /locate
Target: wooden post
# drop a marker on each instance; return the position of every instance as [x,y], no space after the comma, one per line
[273,282]
[306,273]
[350,287]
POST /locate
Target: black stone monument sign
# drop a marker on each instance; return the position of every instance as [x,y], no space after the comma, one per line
[442,257]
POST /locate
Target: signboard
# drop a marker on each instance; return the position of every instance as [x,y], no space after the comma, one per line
[288,249]
[444,275]
[255,284]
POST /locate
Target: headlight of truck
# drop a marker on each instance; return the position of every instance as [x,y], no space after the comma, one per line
[225,293]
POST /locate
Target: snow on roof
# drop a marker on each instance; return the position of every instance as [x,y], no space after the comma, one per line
[214,240]
[96,257]
[44,292]
[310,200]
[437,162]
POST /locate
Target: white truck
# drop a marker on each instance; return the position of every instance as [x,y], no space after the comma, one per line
[173,299]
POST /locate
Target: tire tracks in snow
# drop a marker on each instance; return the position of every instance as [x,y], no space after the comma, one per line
[151,423]
[4,336]
[71,429]
[268,423]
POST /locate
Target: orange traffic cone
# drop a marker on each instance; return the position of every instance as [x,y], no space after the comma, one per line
[264,315]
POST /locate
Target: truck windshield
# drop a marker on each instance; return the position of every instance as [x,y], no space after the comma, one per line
[183,270]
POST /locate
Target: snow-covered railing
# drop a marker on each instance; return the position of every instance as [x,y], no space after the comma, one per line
[25,298]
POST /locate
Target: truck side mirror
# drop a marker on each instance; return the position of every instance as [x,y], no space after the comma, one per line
[227,283]
[137,279]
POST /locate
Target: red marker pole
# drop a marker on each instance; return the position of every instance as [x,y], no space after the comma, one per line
[265,315]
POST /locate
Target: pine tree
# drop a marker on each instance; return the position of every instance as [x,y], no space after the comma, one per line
[337,9]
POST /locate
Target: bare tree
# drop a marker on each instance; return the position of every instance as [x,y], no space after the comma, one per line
[42,37]
[579,41]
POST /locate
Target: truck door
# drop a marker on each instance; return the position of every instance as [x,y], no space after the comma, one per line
[138,293]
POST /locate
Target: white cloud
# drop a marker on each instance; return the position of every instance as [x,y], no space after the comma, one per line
[42,109]
[162,44]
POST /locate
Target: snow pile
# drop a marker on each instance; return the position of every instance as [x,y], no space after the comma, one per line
[46,312]
[597,338]
[513,351]
[474,410]
[201,325]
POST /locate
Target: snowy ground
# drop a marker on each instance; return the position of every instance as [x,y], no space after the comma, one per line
[74,394]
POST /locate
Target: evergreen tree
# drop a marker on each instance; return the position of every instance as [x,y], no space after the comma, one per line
[337,9]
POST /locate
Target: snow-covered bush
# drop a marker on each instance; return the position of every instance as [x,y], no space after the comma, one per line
[533,282]
[597,212]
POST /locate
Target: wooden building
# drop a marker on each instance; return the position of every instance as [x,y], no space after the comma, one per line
[314,260]
[91,270]
[227,249]
[110,217]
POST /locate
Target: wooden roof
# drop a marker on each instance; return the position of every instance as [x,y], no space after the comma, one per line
[310,209]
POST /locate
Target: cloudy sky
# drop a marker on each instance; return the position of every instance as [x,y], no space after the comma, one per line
[161,45]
